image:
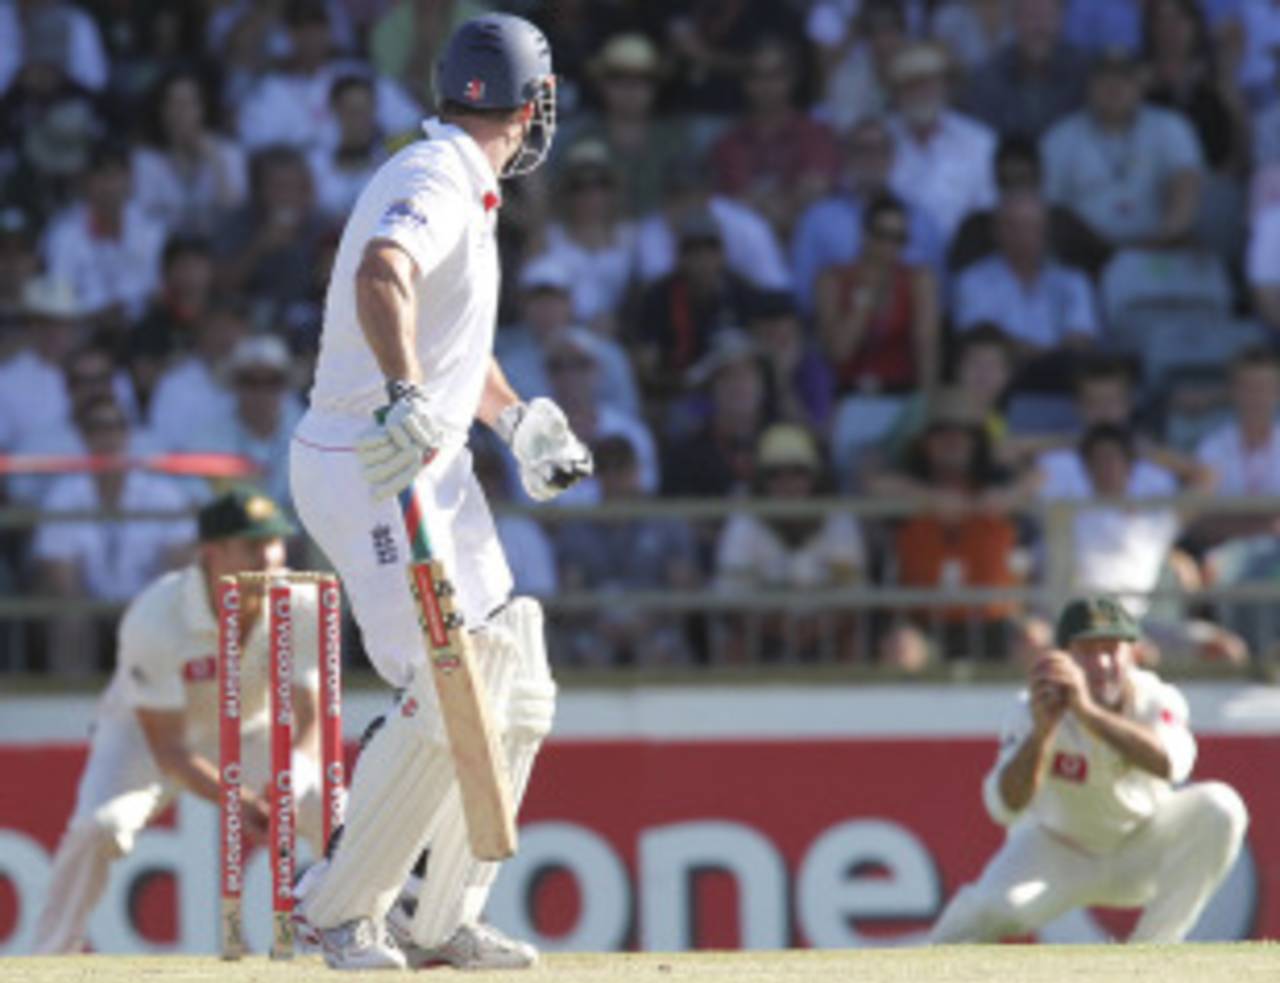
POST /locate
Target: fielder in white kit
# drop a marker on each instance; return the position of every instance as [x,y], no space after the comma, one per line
[409,323]
[1088,780]
[156,730]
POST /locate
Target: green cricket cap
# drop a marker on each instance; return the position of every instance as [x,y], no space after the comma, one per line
[1095,617]
[243,513]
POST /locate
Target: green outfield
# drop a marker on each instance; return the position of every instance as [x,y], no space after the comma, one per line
[1235,963]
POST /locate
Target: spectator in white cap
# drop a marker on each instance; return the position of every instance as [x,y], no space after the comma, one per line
[942,159]
[545,311]
[32,392]
[265,412]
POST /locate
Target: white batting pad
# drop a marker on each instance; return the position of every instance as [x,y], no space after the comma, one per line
[401,779]
[456,886]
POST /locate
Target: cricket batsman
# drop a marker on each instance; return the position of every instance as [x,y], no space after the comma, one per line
[1089,780]
[156,729]
[408,334]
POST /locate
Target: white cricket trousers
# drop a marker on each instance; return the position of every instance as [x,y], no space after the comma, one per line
[366,542]
[122,789]
[1170,866]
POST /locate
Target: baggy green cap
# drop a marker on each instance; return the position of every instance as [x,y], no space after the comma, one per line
[243,513]
[1095,616]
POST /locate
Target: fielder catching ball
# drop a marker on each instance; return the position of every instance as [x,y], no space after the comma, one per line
[156,729]
[1089,781]
[408,327]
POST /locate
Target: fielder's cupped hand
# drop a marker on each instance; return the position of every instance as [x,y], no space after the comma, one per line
[1060,670]
[551,458]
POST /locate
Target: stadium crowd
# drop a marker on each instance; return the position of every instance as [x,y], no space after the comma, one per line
[974,254]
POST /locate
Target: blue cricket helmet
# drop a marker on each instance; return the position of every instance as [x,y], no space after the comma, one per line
[501,61]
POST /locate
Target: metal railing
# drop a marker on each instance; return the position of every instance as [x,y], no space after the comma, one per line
[704,611]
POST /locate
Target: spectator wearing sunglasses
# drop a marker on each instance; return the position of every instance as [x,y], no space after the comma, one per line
[878,318]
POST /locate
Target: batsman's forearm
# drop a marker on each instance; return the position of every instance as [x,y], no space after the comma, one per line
[386,308]
[1021,777]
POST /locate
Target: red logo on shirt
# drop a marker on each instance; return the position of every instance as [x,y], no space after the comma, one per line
[409,707]
[473,91]
[491,201]
[200,670]
[1070,767]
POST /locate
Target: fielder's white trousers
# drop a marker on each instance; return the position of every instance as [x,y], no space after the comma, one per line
[366,542]
[1170,866]
[122,789]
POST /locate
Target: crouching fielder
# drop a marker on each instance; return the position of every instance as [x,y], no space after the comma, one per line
[408,329]
[1088,779]
[156,730]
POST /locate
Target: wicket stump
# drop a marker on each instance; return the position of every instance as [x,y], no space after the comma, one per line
[278,588]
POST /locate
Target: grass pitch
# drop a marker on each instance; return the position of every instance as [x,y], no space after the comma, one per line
[1229,963]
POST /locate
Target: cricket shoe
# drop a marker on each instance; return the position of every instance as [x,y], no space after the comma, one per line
[360,944]
[474,945]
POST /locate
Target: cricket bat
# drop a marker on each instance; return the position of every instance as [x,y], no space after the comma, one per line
[478,757]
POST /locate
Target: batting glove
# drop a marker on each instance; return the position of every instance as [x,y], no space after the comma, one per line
[408,419]
[551,458]
[387,467]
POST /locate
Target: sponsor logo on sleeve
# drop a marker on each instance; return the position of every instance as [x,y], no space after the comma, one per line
[404,213]
[200,670]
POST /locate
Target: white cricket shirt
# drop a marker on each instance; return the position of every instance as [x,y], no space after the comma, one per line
[438,200]
[1091,796]
[168,658]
